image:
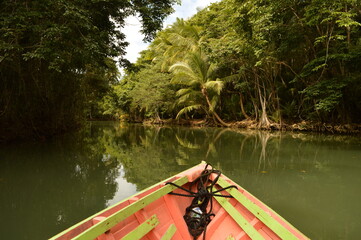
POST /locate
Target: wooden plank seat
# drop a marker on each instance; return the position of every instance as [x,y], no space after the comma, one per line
[109,222]
[142,229]
[169,233]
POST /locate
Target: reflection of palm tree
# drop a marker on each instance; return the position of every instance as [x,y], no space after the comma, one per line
[186,143]
[211,145]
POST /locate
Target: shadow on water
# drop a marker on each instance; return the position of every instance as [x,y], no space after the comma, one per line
[310,180]
[46,186]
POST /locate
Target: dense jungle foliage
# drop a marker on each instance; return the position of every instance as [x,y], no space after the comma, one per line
[56,59]
[260,60]
[269,61]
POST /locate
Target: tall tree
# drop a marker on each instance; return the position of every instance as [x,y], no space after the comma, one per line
[47,46]
[173,43]
[200,88]
[296,58]
[290,60]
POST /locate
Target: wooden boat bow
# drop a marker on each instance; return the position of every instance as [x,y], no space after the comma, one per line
[155,214]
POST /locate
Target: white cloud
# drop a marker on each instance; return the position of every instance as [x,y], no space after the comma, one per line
[134,37]
[132,29]
[187,9]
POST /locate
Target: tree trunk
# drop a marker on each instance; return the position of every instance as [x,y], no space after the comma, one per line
[220,120]
[242,106]
[264,121]
[205,94]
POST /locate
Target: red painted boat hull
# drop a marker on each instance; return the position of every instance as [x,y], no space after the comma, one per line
[261,221]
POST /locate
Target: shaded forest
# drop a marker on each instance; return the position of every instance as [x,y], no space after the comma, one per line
[56,60]
[267,62]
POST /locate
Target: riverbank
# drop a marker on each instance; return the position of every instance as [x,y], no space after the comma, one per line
[304,126]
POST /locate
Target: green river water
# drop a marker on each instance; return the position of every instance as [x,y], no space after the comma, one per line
[311,180]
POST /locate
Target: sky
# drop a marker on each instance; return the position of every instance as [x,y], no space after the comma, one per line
[187,9]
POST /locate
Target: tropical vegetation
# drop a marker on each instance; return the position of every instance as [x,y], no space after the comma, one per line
[56,60]
[266,61]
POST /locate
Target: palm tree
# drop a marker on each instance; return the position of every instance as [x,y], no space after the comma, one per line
[175,42]
[200,90]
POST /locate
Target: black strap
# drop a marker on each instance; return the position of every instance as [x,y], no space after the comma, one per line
[196,216]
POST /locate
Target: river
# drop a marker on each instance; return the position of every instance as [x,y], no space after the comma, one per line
[311,180]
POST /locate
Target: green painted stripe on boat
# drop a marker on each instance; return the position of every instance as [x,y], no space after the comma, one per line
[275,226]
[142,229]
[103,226]
[169,233]
[242,222]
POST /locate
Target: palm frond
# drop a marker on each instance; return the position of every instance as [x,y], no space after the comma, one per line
[188,109]
[195,84]
[183,69]
[216,86]
[183,79]
[186,143]
[180,67]
[214,102]
[199,64]
[232,78]
[192,31]
[189,97]
[183,91]
[178,40]
[211,70]
[172,52]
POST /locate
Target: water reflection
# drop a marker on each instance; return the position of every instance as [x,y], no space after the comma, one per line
[306,178]
[46,187]
[311,180]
